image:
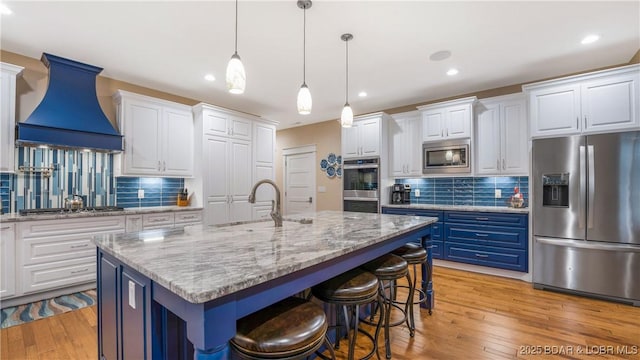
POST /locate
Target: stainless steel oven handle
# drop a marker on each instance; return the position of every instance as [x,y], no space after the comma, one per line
[359,199]
[366,166]
[583,185]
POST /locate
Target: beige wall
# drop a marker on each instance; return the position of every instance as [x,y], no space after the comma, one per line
[326,136]
[32,85]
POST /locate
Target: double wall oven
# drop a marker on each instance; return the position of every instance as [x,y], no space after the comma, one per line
[361,189]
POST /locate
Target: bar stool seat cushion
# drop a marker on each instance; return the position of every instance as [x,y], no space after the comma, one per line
[350,287]
[412,253]
[289,327]
[387,266]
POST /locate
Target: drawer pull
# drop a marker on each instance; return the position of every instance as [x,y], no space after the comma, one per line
[482,235]
[482,255]
[158,220]
[189,217]
[6,227]
[410,214]
[482,218]
[79,246]
[80,271]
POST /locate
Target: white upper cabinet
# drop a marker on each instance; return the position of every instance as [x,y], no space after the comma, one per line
[364,138]
[501,141]
[598,102]
[447,120]
[8,74]
[158,137]
[405,134]
[226,124]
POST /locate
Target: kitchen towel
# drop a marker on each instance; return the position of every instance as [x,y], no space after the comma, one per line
[21,314]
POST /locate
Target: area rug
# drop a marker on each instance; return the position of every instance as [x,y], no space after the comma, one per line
[21,314]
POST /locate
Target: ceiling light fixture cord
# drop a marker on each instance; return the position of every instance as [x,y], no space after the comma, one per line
[236,45]
[304,48]
[346,88]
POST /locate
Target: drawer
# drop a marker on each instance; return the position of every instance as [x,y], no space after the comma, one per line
[188,217]
[134,223]
[437,248]
[153,221]
[413,212]
[437,231]
[496,236]
[58,274]
[56,248]
[88,225]
[510,259]
[486,218]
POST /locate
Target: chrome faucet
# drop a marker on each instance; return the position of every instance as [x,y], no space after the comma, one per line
[276,215]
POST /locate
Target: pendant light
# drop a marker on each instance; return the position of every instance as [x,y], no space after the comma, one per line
[304,95]
[346,119]
[236,77]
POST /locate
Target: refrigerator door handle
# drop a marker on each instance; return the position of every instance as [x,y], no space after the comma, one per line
[583,186]
[592,185]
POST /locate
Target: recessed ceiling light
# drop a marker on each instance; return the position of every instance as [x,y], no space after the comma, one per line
[590,39]
[452,72]
[362,94]
[4,10]
[210,77]
[440,55]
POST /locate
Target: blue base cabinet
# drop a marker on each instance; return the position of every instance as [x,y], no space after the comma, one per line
[499,240]
[437,229]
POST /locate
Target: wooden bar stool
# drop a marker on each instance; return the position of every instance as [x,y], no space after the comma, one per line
[350,290]
[413,254]
[291,329]
[389,268]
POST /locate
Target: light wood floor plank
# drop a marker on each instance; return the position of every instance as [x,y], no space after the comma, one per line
[476,317]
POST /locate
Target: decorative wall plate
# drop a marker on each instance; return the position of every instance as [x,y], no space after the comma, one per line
[339,171]
[323,164]
[331,171]
[331,158]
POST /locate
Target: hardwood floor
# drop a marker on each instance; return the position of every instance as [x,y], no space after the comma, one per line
[476,317]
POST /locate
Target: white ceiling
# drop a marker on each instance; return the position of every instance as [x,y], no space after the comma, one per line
[171,45]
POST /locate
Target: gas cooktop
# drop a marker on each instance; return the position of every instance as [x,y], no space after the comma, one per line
[68,211]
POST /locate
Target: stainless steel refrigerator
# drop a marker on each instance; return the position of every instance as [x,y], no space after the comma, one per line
[586,215]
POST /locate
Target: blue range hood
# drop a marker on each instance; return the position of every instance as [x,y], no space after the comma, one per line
[69,116]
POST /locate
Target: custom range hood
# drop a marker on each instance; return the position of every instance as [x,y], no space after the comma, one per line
[69,116]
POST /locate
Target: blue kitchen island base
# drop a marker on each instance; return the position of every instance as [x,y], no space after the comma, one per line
[139,318]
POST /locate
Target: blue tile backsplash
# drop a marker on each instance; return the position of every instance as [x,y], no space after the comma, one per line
[77,172]
[473,191]
[157,191]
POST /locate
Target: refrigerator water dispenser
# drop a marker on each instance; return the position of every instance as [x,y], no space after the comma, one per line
[555,190]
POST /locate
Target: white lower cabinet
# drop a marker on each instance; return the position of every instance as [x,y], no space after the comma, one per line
[57,253]
[157,221]
[184,218]
[8,258]
[139,222]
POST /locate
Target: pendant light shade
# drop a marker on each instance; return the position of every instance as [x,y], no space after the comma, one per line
[236,77]
[346,118]
[304,95]
[304,100]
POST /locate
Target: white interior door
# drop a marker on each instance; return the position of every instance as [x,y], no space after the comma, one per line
[300,181]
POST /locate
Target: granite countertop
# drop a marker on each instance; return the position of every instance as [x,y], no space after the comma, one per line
[496,209]
[204,263]
[15,217]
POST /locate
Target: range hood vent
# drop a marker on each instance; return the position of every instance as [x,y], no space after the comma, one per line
[69,116]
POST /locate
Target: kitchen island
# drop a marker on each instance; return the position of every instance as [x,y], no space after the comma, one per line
[157,289]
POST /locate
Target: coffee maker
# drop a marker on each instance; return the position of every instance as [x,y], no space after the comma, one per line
[401,194]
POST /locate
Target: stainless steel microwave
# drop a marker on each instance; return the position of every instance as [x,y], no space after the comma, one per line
[446,157]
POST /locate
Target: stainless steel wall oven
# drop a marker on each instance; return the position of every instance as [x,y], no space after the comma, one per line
[361,189]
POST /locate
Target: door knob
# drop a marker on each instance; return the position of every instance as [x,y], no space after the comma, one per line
[310,199]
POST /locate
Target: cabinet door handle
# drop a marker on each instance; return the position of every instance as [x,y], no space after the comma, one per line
[158,165]
[498,162]
[164,166]
[79,246]
[504,167]
[482,218]
[482,255]
[80,271]
[231,199]
[482,235]
[447,132]
[442,133]
[585,122]
[577,122]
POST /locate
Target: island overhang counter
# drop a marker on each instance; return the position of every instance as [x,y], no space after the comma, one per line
[159,286]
